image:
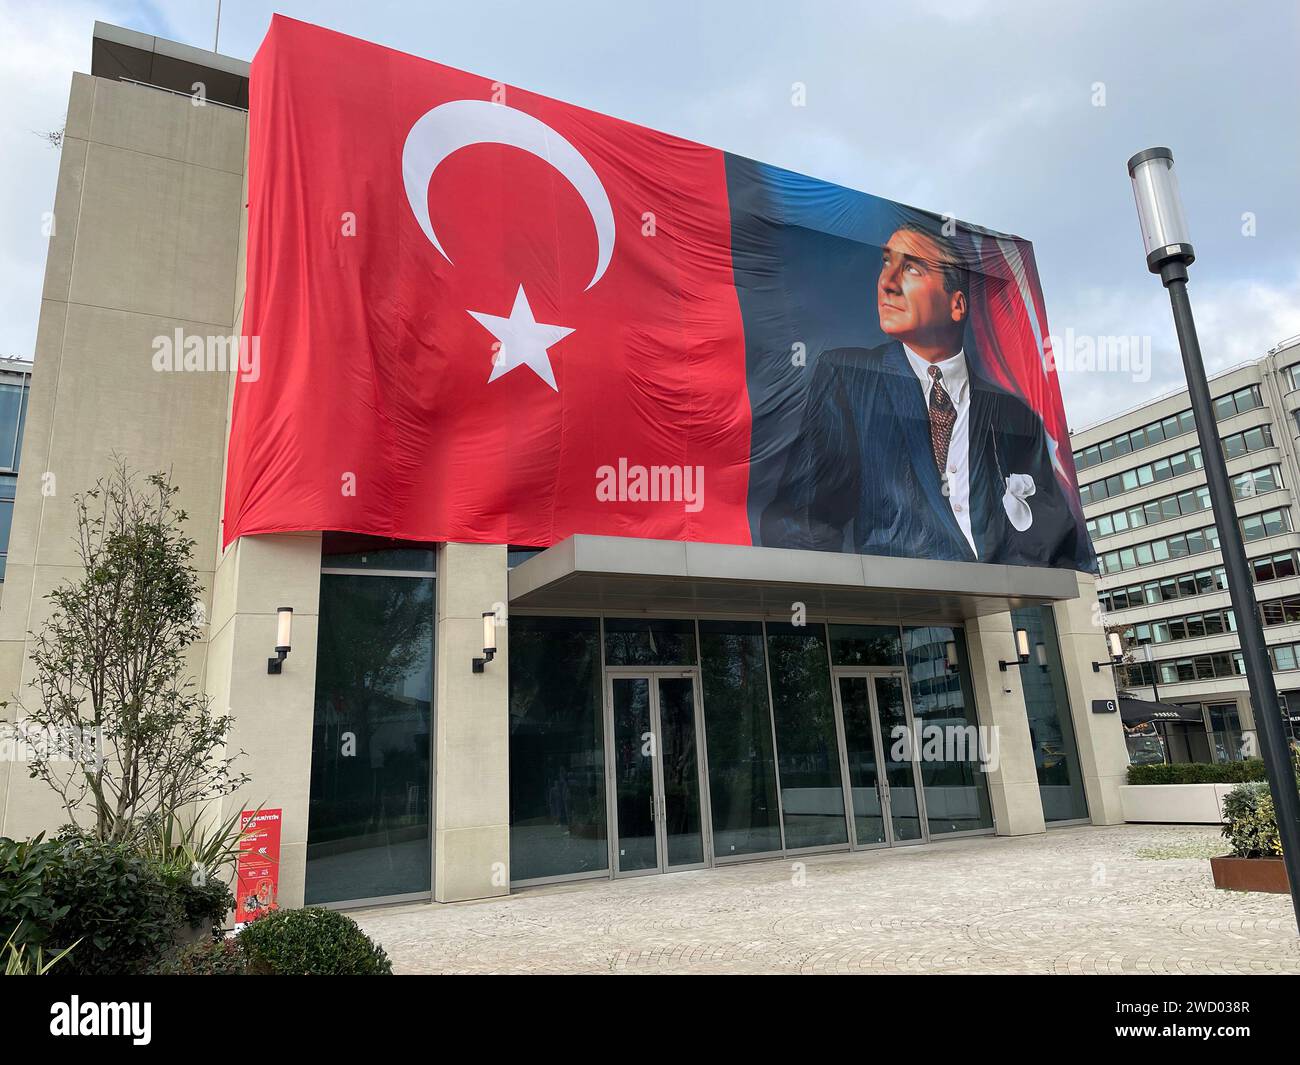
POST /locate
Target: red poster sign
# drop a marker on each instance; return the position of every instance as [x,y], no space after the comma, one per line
[258,872]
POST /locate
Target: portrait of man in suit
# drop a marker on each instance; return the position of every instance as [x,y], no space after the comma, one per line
[908,449]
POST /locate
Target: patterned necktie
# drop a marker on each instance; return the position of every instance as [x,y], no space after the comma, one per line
[943,416]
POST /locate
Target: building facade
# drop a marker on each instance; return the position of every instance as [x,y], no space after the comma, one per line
[1162,583]
[651,705]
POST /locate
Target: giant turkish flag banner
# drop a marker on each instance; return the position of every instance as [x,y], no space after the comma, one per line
[483,315]
[555,296]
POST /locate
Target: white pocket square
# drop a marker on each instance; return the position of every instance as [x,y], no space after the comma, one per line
[1020,486]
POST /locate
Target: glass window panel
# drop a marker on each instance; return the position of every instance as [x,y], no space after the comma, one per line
[354,551]
[956,792]
[11,404]
[368,830]
[1047,703]
[738,725]
[1284,565]
[558,824]
[649,642]
[812,795]
[866,645]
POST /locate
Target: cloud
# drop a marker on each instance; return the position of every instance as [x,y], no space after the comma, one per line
[1236,321]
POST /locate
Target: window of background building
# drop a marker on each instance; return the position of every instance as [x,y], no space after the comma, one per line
[14,390]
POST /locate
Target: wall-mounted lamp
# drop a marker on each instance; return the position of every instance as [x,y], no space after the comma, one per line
[1040,652]
[950,656]
[1022,651]
[1116,652]
[489,640]
[283,638]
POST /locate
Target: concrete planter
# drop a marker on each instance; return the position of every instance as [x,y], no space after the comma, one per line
[1175,804]
[1250,874]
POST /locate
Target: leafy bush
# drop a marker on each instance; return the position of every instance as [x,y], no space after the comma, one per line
[204,900]
[117,904]
[1250,823]
[1198,772]
[311,942]
[26,911]
[212,957]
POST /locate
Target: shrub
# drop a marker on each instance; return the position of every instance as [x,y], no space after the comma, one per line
[311,942]
[117,904]
[1198,772]
[26,911]
[212,957]
[204,900]
[1250,824]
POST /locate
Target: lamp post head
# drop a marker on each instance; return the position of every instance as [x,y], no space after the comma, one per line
[1165,237]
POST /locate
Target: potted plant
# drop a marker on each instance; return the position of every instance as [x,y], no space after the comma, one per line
[1250,825]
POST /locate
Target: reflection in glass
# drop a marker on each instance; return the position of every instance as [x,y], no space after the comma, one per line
[956,791]
[557,755]
[649,642]
[866,645]
[13,402]
[904,805]
[633,771]
[368,826]
[812,796]
[864,773]
[1060,783]
[681,771]
[737,721]
[355,551]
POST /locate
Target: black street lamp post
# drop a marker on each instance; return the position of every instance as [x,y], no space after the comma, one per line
[1169,253]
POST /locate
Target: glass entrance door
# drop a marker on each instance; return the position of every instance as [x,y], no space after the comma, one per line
[656,776]
[879,758]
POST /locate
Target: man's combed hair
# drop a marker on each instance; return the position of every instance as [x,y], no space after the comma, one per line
[956,276]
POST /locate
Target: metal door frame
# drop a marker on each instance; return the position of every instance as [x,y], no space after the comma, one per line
[652,675]
[870,674]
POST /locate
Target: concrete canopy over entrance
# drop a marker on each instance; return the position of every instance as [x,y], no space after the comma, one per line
[611,573]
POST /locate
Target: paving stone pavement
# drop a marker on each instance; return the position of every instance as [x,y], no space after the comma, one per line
[1125,899]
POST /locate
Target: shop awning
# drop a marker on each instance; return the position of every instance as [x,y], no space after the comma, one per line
[1132,711]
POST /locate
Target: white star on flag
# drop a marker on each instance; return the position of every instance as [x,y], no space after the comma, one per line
[523,340]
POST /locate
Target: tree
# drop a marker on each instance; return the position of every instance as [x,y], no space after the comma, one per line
[128,740]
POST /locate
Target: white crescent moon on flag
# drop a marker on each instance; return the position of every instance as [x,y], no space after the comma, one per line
[451,126]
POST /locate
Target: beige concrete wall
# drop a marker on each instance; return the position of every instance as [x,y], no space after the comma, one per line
[1000,699]
[1103,754]
[471,728]
[272,713]
[145,238]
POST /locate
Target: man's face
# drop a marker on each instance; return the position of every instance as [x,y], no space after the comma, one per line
[914,306]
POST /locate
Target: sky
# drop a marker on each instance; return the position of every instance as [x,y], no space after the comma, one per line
[1016,116]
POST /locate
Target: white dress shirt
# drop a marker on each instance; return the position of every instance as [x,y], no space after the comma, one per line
[956,476]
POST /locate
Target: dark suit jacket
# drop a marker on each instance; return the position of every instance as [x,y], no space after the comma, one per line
[862,477]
